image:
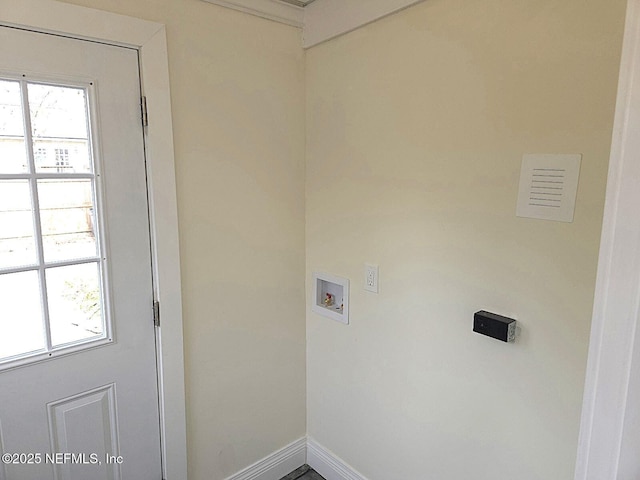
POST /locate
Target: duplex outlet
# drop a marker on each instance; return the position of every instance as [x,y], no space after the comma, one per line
[371,278]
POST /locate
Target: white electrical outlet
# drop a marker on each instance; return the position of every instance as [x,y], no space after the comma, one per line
[371,278]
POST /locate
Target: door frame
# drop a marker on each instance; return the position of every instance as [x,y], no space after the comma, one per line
[611,409]
[149,38]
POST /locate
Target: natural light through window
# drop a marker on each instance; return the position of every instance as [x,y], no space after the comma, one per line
[51,260]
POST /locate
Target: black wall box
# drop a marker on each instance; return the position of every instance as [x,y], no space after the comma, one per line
[495,326]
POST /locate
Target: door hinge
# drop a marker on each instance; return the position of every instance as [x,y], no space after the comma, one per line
[156,313]
[143,108]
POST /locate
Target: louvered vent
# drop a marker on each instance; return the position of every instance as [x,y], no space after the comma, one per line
[548,186]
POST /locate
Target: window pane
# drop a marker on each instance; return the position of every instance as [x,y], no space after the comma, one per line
[59,124]
[13,155]
[17,245]
[21,328]
[68,220]
[75,303]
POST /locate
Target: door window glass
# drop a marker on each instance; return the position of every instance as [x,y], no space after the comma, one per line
[21,326]
[52,262]
[67,218]
[17,243]
[13,154]
[76,311]
[59,122]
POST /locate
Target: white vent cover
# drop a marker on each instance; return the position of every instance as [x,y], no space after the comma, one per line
[548,187]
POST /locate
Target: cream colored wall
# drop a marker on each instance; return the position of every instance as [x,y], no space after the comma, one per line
[237,85]
[416,126]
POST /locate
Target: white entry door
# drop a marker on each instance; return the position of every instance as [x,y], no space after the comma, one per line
[78,383]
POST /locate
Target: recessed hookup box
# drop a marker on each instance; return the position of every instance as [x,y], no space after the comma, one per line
[495,326]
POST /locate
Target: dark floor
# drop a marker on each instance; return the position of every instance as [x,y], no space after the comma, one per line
[305,472]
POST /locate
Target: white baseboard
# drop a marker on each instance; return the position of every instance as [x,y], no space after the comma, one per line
[327,464]
[294,455]
[276,465]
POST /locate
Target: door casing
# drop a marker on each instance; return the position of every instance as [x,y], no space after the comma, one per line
[149,38]
[610,425]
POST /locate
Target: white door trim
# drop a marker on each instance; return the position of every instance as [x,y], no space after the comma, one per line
[611,363]
[150,39]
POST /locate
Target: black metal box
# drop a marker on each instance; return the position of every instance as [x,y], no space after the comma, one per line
[495,326]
